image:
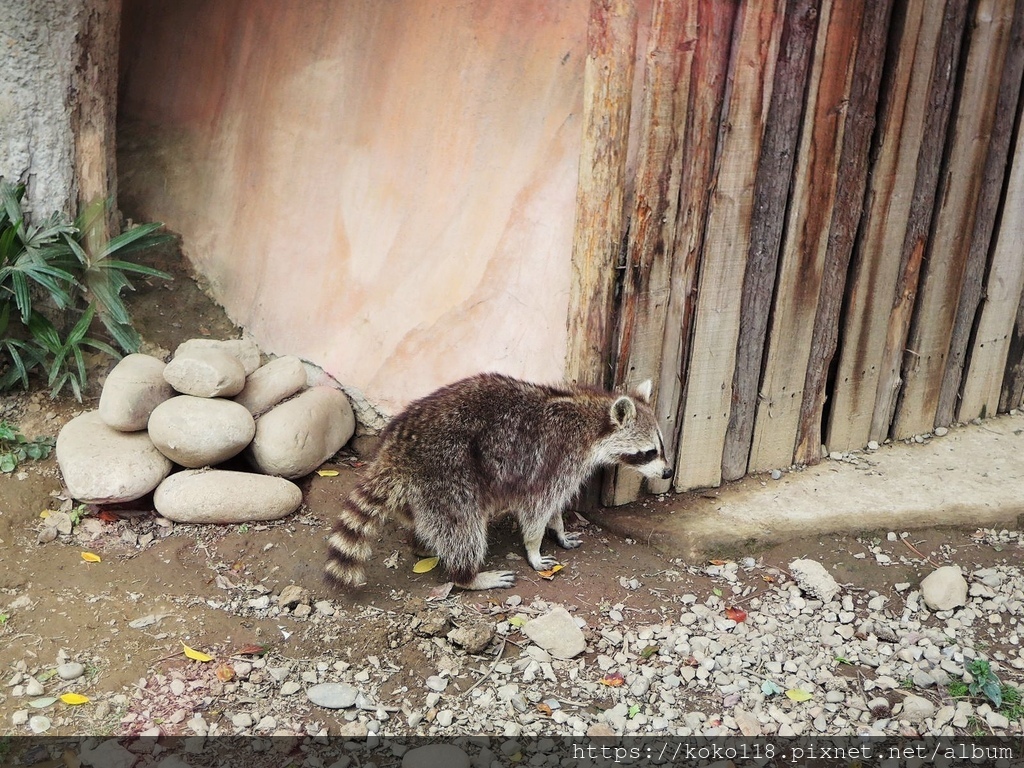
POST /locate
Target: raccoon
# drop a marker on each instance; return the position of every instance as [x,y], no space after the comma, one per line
[485,446]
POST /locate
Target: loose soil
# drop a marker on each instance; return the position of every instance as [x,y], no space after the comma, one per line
[192,584]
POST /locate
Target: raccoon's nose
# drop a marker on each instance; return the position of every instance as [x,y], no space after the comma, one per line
[666,473]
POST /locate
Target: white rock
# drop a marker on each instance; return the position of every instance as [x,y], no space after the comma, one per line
[39,724]
[199,431]
[205,373]
[437,683]
[297,436]
[917,709]
[944,588]
[332,695]
[814,580]
[556,633]
[220,496]
[103,466]
[436,756]
[71,670]
[244,350]
[270,384]
[134,387]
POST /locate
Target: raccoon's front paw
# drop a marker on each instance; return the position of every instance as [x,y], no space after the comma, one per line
[492,580]
[570,540]
[544,563]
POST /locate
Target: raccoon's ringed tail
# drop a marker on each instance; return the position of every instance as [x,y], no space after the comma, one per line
[348,548]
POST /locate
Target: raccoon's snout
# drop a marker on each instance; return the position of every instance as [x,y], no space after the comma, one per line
[666,473]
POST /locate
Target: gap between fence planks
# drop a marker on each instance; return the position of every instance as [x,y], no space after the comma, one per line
[807,225]
[932,323]
[846,213]
[1003,290]
[876,258]
[1012,395]
[704,415]
[607,95]
[647,280]
[936,119]
[996,166]
[705,93]
[771,191]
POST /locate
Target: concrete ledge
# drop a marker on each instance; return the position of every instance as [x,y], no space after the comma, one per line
[971,477]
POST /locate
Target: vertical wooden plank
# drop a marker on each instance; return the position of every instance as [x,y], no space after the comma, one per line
[996,166]
[936,119]
[1012,394]
[1003,288]
[705,97]
[652,223]
[846,215]
[607,94]
[932,323]
[705,411]
[876,259]
[771,191]
[807,225]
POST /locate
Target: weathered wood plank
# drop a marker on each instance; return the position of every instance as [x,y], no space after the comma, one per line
[607,97]
[705,411]
[936,120]
[771,191]
[876,259]
[704,104]
[1003,288]
[846,215]
[1012,394]
[652,222]
[932,324]
[996,166]
[807,226]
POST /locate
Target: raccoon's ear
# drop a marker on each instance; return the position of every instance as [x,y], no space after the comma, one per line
[623,411]
[644,390]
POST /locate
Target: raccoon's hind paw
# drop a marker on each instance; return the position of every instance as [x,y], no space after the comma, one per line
[570,540]
[491,580]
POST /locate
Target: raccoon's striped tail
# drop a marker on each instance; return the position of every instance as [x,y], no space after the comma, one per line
[348,546]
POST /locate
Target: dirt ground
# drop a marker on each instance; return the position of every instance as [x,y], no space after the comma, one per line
[175,580]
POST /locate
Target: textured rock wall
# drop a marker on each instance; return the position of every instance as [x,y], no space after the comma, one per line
[384,189]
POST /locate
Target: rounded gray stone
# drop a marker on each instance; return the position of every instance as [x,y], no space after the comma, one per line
[200,431]
[134,387]
[917,709]
[299,435]
[221,496]
[556,633]
[435,756]
[205,373]
[104,466]
[269,385]
[71,670]
[332,695]
[244,350]
[944,588]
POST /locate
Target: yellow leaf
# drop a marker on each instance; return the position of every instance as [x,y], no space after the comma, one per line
[426,564]
[517,621]
[797,695]
[550,574]
[197,655]
[327,472]
[89,557]
[45,513]
[74,698]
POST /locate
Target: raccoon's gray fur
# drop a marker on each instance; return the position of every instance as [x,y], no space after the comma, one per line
[484,446]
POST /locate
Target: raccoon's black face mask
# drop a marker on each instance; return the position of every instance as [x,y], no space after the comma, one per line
[636,439]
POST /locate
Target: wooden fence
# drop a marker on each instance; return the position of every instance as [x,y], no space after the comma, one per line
[807,226]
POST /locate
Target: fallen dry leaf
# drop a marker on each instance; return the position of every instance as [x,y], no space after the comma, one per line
[797,695]
[225,673]
[74,698]
[251,650]
[613,679]
[426,564]
[90,557]
[718,562]
[544,709]
[736,614]
[327,472]
[550,574]
[441,591]
[192,653]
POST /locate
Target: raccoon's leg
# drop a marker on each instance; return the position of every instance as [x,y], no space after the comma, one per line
[569,540]
[460,540]
[533,526]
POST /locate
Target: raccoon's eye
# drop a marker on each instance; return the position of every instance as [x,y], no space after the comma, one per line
[643,457]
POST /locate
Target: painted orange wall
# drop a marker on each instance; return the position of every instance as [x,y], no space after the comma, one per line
[383,187]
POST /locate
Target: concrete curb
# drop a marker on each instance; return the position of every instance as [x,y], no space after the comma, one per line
[971,477]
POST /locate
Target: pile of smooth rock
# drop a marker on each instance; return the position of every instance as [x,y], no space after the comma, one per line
[212,402]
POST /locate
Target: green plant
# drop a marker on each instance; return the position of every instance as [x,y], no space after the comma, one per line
[77,514]
[957,689]
[985,681]
[80,274]
[16,448]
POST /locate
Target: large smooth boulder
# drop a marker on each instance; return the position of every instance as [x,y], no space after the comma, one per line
[104,466]
[134,387]
[199,431]
[244,350]
[270,384]
[299,435]
[221,496]
[206,373]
